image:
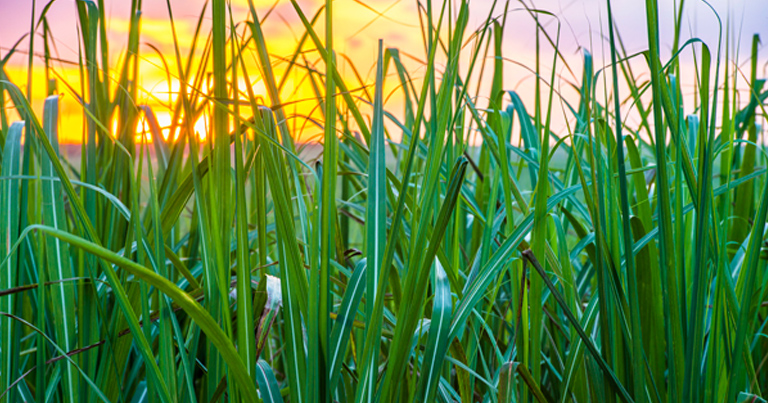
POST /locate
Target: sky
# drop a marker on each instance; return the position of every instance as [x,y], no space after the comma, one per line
[358,26]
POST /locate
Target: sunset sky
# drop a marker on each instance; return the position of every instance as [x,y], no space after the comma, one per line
[357,30]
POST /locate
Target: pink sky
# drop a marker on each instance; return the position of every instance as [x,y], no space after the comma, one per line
[582,18]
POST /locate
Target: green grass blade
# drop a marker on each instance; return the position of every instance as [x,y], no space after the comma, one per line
[437,342]
[415,285]
[270,391]
[343,324]
[9,229]
[59,265]
[293,279]
[664,204]
[590,346]
[638,370]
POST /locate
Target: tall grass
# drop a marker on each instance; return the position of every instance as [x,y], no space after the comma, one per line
[610,261]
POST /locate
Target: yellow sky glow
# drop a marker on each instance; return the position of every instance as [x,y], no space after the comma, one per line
[282,37]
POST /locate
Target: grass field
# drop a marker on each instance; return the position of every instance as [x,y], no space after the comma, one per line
[458,248]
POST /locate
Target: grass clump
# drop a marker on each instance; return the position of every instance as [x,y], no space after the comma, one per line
[610,261]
